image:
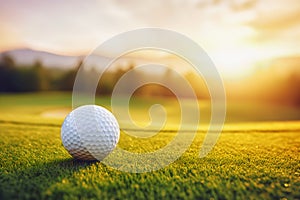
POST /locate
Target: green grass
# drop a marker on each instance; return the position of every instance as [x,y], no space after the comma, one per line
[258,160]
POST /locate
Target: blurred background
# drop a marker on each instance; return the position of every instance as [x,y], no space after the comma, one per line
[254,44]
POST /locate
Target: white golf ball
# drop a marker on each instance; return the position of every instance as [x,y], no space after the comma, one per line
[90,132]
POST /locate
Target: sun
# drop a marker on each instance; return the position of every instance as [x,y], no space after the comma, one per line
[238,61]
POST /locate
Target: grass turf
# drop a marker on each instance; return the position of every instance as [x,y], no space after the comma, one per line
[252,161]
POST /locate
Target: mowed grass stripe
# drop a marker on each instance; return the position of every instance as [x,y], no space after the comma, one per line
[275,130]
[29,123]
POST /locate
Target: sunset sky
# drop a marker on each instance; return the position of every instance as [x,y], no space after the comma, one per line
[237,34]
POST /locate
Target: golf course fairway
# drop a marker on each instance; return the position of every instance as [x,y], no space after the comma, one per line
[251,160]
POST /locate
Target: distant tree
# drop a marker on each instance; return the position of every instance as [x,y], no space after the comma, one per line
[66,81]
[22,79]
[110,78]
[42,75]
[290,89]
[106,83]
[7,73]
[25,80]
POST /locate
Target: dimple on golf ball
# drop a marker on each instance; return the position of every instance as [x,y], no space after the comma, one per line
[90,132]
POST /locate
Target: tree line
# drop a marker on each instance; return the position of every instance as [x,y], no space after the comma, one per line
[261,86]
[36,77]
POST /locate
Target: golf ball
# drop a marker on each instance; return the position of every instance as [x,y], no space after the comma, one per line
[90,132]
